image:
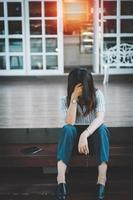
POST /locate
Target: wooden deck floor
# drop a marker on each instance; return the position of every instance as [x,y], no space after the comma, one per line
[35,103]
[31,184]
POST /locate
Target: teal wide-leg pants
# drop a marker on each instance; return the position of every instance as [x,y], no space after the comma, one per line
[98,143]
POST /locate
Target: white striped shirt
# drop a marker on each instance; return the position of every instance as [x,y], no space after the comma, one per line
[86,120]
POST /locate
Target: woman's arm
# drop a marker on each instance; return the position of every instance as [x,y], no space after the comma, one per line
[96,123]
[100,112]
[72,109]
[71,113]
[83,143]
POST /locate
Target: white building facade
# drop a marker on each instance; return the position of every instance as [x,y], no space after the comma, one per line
[32,38]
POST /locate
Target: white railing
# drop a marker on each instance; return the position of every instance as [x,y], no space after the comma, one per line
[122,57]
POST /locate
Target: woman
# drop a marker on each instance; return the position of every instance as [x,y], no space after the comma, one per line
[84,109]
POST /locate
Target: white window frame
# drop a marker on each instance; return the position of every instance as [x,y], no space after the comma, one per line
[9,71]
[26,42]
[117,35]
[59,37]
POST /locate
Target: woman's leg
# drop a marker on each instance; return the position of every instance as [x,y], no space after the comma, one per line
[103,134]
[100,142]
[102,157]
[64,151]
[102,172]
[61,168]
[101,147]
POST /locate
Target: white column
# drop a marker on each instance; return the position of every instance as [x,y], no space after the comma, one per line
[60,38]
[96,37]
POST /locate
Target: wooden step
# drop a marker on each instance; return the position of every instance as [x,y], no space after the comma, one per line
[82,184]
[11,155]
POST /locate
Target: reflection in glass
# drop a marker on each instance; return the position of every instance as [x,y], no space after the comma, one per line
[50,9]
[127,40]
[1,10]
[36,45]
[126,26]
[15,45]
[51,27]
[109,8]
[2,62]
[35,27]
[14,9]
[15,27]
[36,62]
[51,44]
[2,29]
[51,62]
[72,27]
[86,40]
[127,8]
[35,9]
[109,42]
[2,45]
[110,26]
[16,62]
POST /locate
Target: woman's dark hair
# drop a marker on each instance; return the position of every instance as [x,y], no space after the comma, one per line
[88,98]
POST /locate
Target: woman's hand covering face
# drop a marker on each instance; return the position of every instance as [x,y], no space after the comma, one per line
[78,91]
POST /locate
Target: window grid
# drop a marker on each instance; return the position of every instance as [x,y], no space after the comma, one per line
[44,36]
[118,35]
[26,36]
[8,55]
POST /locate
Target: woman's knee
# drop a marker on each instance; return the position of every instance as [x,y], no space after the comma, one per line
[69,130]
[102,130]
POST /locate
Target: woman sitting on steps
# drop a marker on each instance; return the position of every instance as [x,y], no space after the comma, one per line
[84,109]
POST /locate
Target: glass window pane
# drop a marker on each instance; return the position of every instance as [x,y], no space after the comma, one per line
[15,27]
[72,27]
[51,62]
[35,27]
[1,10]
[126,26]
[50,9]
[110,26]
[86,40]
[2,62]
[2,29]
[15,45]
[16,62]
[51,44]
[127,8]
[14,9]
[108,43]
[37,62]
[127,40]
[35,9]
[36,45]
[2,45]
[109,8]
[51,27]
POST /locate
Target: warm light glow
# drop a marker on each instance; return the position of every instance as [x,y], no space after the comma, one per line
[75,14]
[75,8]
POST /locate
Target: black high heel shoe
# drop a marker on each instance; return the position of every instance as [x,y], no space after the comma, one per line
[100,191]
[62,192]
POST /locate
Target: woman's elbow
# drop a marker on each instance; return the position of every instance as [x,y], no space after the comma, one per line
[69,121]
[101,119]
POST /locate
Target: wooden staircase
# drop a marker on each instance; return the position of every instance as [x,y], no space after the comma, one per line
[32,184]
[22,177]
